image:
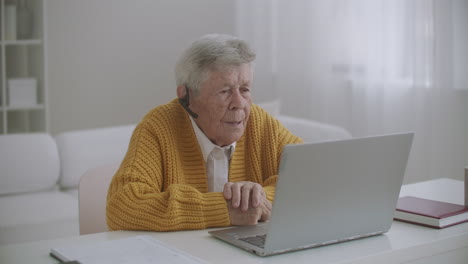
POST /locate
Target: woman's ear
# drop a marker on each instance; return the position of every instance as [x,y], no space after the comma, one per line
[181,91]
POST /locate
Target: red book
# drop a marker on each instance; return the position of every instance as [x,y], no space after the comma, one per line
[429,212]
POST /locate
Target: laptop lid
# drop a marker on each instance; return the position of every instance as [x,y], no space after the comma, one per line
[330,192]
[336,191]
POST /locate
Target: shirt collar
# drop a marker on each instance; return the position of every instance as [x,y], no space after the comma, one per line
[206,145]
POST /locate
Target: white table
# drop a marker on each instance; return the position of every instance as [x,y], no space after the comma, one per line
[404,243]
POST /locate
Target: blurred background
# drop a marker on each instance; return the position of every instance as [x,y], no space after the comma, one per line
[369,66]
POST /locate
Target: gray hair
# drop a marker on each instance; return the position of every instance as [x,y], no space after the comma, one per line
[210,53]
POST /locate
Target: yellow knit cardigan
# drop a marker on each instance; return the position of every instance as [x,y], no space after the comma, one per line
[161,184]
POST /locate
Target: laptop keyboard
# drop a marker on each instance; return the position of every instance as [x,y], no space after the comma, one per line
[258,240]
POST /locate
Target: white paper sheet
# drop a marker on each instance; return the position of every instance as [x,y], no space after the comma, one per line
[138,249]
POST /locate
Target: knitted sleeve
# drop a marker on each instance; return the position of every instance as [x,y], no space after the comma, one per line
[269,185]
[269,137]
[146,194]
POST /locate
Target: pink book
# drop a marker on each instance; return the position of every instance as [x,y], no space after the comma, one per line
[429,212]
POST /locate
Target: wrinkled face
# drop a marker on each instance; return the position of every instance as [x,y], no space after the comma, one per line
[223,104]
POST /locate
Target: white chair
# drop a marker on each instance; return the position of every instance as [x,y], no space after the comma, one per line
[92,197]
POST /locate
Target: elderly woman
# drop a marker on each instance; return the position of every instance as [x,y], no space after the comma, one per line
[207,159]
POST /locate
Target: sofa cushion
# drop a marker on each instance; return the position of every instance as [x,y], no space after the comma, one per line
[37,216]
[28,162]
[85,149]
[312,131]
[72,191]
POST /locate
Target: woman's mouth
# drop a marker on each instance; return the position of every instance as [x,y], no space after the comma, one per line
[234,123]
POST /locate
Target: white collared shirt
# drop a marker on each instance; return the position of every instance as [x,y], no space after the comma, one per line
[216,159]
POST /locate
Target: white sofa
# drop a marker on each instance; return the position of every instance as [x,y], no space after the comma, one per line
[40,174]
[39,177]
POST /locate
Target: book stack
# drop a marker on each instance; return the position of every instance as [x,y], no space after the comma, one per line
[430,213]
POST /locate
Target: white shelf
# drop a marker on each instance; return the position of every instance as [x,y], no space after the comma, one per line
[22,42]
[23,56]
[24,107]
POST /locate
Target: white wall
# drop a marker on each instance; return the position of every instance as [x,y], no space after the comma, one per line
[111,61]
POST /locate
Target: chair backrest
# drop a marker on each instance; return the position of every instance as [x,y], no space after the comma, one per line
[92,197]
[28,163]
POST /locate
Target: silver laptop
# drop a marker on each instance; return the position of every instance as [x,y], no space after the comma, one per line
[329,192]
